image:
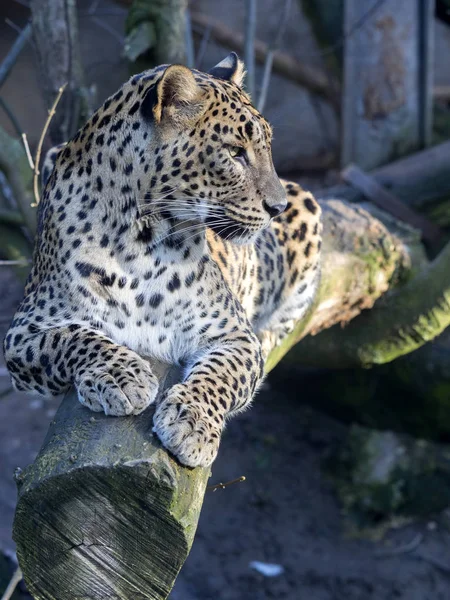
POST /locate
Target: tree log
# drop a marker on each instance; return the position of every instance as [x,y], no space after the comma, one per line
[104,512]
[420,181]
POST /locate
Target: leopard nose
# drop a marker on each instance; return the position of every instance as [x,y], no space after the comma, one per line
[275,209]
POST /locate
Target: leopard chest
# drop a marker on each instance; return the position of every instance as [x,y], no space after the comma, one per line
[166,313]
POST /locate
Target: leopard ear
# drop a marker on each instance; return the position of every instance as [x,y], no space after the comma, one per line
[176,96]
[230,69]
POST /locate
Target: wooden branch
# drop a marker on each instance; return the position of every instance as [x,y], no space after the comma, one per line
[269,58]
[421,181]
[36,172]
[104,511]
[309,77]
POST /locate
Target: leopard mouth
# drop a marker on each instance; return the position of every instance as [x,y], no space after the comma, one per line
[231,231]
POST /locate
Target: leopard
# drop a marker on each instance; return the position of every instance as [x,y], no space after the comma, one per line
[165,234]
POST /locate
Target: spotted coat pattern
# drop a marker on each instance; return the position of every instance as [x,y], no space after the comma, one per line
[162,235]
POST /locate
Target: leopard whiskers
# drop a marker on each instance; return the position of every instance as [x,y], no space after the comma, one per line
[176,205]
[199,227]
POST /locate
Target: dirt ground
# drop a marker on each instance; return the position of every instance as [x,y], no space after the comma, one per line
[285,513]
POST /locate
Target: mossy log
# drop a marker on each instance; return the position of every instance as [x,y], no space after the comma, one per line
[104,512]
[363,256]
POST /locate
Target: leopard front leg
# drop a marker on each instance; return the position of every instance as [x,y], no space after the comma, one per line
[190,417]
[108,377]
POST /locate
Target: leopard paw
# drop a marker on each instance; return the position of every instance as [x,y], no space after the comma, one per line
[127,389]
[184,427]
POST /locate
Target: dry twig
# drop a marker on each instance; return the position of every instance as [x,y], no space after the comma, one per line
[14,263]
[51,112]
[27,150]
[222,486]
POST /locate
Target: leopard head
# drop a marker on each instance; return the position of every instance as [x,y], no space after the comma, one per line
[209,152]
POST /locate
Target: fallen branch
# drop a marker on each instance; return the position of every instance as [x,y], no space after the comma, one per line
[309,77]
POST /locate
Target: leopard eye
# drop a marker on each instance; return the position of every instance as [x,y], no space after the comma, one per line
[238,152]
